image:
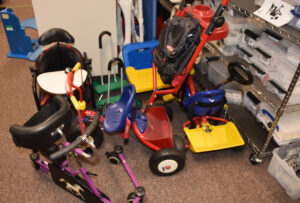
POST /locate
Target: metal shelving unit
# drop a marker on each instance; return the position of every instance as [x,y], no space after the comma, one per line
[262,145]
[248,8]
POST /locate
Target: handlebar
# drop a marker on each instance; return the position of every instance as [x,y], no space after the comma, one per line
[79,140]
[100,37]
[69,84]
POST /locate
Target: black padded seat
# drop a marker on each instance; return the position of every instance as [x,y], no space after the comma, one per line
[36,134]
[58,57]
[55,35]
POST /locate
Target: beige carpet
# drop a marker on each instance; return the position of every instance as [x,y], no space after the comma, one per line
[222,176]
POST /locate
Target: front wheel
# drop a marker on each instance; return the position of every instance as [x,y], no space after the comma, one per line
[167,162]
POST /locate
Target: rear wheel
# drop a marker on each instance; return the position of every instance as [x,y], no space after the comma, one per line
[167,162]
[96,137]
[178,143]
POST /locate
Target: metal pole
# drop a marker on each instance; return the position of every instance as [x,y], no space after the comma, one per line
[279,113]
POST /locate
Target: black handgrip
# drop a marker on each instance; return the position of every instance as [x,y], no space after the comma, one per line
[100,37]
[93,124]
[116,59]
[214,20]
[63,151]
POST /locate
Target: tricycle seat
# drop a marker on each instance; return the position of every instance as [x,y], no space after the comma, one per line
[206,102]
[116,114]
[39,132]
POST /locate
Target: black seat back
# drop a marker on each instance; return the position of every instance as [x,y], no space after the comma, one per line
[55,35]
[39,132]
[58,57]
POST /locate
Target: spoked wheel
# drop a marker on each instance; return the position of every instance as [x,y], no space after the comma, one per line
[96,137]
[167,162]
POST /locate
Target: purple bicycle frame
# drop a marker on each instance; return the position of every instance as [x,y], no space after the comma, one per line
[44,167]
[131,175]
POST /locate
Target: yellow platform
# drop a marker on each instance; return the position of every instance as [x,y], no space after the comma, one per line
[143,79]
[220,137]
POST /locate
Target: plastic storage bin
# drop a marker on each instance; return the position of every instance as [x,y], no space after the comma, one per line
[295,22]
[284,167]
[250,101]
[250,37]
[277,87]
[233,96]
[287,129]
[247,53]
[293,55]
[217,72]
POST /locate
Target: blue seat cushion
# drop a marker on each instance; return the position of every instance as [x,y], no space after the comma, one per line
[116,114]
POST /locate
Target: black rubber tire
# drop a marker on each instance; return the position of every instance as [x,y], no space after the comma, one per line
[167,108]
[113,158]
[118,149]
[131,196]
[97,135]
[167,154]
[178,143]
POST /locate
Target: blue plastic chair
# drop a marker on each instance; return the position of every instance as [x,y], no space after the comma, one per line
[117,113]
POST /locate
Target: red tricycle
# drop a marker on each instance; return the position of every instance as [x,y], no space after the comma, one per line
[152,124]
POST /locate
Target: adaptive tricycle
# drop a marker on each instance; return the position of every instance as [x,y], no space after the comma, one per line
[42,132]
[46,134]
[174,59]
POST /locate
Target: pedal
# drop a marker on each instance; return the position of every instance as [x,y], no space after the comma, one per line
[126,141]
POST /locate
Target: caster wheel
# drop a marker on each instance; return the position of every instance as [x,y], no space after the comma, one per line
[140,191]
[131,197]
[33,157]
[113,158]
[178,143]
[254,160]
[118,149]
[167,162]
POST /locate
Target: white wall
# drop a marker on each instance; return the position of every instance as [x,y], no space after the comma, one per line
[84,20]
